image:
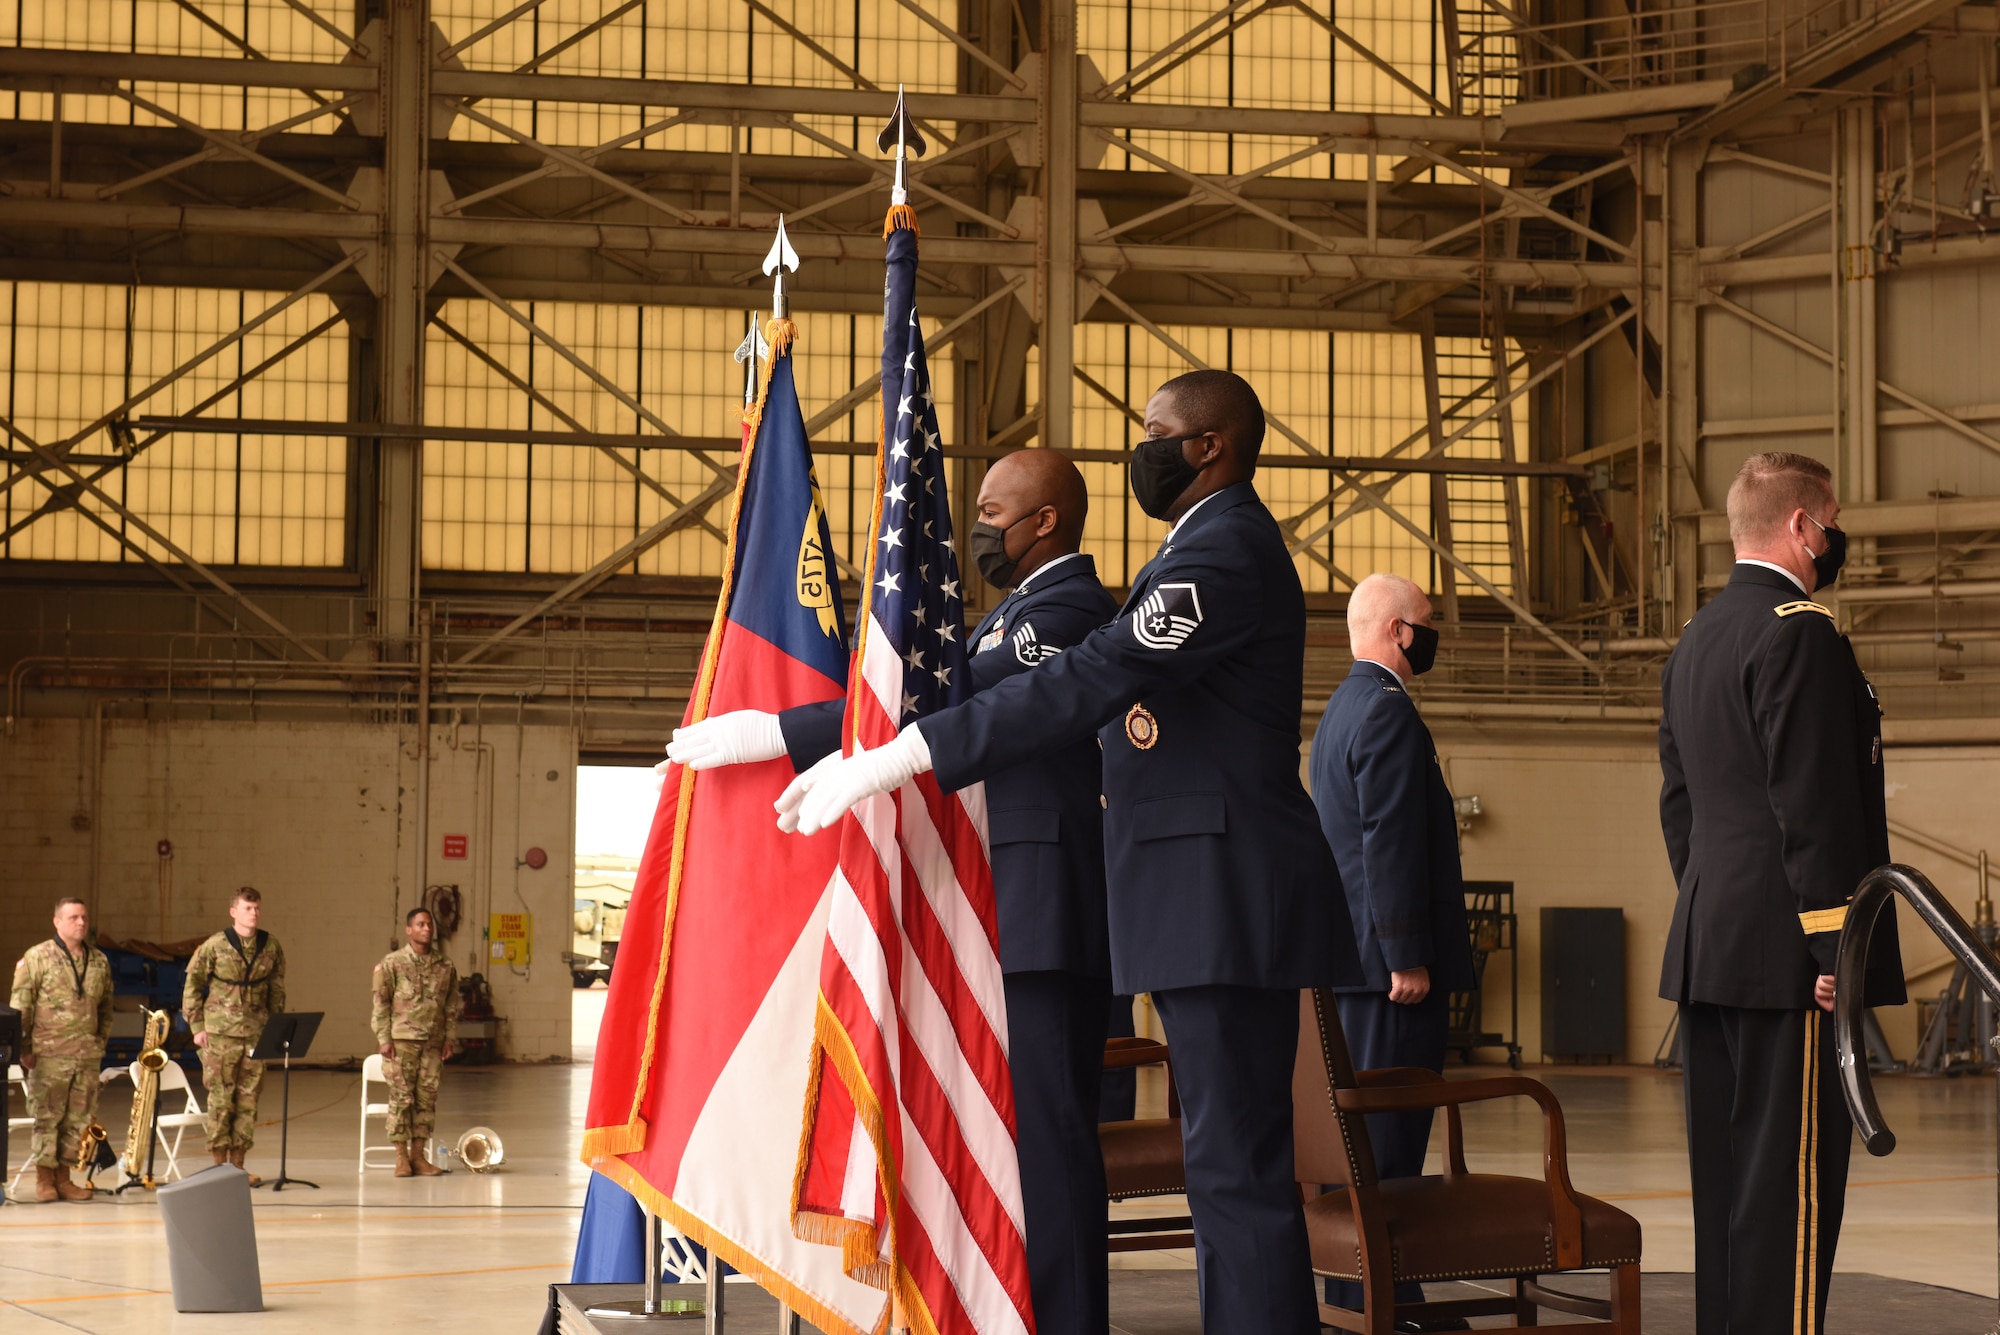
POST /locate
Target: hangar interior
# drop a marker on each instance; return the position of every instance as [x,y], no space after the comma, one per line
[372,426]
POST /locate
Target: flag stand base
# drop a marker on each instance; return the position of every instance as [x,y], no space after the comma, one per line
[656,1307]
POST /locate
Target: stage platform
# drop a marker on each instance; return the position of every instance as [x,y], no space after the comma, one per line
[1162,1302]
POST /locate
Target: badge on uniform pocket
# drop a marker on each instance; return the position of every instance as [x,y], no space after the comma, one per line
[1141,728]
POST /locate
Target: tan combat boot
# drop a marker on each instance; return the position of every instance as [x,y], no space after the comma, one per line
[403,1168]
[221,1156]
[236,1153]
[421,1160]
[45,1185]
[69,1188]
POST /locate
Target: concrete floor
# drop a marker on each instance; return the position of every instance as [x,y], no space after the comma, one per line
[466,1252]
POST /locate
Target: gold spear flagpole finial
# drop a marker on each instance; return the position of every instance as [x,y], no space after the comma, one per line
[901,136]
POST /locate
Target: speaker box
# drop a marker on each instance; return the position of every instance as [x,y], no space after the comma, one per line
[212,1242]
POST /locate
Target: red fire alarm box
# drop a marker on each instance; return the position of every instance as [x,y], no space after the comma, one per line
[454,845]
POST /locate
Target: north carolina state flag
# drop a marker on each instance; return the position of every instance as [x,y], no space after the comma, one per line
[700,1087]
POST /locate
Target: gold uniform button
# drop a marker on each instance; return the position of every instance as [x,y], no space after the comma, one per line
[1103,801]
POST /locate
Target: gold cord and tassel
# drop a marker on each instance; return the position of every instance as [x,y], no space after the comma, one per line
[900,216]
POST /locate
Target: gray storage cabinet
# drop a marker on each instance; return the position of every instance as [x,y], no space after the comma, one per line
[1583,983]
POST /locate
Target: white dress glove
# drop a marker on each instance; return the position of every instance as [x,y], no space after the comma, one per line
[795,792]
[818,798]
[736,738]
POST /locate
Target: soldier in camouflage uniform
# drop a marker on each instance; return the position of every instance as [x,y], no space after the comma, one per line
[235,982]
[415,1021]
[62,988]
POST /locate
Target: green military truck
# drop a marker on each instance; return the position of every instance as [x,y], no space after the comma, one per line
[603,890]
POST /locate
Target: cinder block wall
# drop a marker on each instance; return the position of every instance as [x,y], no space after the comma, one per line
[322,817]
[1578,824]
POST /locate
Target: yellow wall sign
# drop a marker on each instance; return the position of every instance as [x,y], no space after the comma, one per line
[510,938]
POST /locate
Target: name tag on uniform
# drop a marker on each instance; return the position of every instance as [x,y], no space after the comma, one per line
[992,639]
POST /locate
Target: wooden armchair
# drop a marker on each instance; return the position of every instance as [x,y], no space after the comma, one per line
[1459,1226]
[1143,1157]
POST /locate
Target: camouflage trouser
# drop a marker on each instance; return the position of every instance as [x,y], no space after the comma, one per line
[233,1081]
[62,1098]
[414,1073]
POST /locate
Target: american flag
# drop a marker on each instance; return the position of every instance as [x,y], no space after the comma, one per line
[909,1157]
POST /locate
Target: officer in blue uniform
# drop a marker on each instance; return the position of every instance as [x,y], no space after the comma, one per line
[1224,899]
[1045,823]
[1387,815]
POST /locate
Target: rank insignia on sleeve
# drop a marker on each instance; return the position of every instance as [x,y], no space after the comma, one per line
[1141,728]
[1168,616]
[1803,605]
[1030,650]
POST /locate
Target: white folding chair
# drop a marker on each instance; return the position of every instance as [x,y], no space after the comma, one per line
[172,1078]
[372,1073]
[16,1076]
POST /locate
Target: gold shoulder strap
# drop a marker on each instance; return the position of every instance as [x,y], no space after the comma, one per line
[1803,605]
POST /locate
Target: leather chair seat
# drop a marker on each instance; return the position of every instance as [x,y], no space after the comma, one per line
[1475,1226]
[1143,1158]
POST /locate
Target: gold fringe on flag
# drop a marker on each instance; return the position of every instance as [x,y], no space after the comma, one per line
[779,333]
[900,216]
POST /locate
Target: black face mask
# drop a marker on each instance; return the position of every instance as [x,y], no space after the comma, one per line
[988,545]
[1422,650]
[1160,474]
[1826,566]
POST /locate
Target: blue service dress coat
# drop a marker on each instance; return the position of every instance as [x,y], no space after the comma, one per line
[1045,816]
[1045,822]
[1387,815]
[1217,870]
[1224,899]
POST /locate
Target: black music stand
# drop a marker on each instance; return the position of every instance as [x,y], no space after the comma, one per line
[286,1035]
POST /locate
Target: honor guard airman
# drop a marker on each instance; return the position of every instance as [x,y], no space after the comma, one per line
[415,1019]
[1773,811]
[1387,814]
[235,982]
[62,987]
[1045,825]
[1224,898]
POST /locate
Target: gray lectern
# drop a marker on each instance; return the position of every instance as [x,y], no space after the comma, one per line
[212,1242]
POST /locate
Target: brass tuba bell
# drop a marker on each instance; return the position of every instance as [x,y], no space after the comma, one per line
[479,1149]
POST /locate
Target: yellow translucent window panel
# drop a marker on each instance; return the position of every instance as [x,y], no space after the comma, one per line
[1343,393]
[1282,58]
[703,41]
[238,29]
[563,508]
[76,352]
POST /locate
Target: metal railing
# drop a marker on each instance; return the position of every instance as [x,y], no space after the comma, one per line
[1652,43]
[1850,982]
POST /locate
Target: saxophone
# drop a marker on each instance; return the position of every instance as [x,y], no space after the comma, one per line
[145,1095]
[93,1138]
